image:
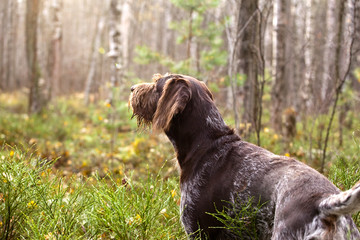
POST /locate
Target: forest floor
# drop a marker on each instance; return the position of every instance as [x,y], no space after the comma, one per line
[87,172]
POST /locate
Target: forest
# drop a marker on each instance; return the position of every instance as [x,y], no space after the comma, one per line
[285,75]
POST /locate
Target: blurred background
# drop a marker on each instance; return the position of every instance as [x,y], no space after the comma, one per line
[285,74]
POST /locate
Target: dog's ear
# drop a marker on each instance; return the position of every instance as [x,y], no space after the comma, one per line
[176,94]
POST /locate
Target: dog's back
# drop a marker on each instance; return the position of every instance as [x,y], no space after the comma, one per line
[297,201]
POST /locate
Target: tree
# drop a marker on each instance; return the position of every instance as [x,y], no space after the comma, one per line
[2,17]
[35,97]
[54,57]
[8,36]
[95,58]
[328,63]
[207,53]
[278,95]
[115,53]
[248,60]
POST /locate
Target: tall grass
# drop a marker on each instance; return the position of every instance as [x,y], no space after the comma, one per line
[36,204]
[137,210]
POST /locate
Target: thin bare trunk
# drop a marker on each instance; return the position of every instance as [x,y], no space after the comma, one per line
[263,18]
[115,52]
[7,51]
[3,13]
[329,49]
[94,60]
[232,44]
[278,94]
[248,59]
[35,99]
[190,34]
[116,61]
[307,93]
[339,77]
[54,63]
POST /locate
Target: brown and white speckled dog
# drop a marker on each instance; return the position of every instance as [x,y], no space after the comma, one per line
[217,167]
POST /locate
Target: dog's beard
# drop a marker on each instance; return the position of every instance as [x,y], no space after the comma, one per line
[143,121]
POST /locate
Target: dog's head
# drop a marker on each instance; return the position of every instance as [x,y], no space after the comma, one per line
[157,103]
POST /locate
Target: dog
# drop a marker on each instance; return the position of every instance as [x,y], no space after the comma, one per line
[218,170]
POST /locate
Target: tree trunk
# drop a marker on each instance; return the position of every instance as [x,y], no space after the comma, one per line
[355,62]
[6,57]
[190,34]
[54,58]
[306,90]
[35,98]
[7,48]
[3,12]
[328,64]
[126,19]
[278,95]
[115,52]
[94,60]
[248,59]
[233,40]
[14,37]
[298,63]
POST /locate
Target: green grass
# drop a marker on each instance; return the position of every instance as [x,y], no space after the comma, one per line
[241,222]
[37,204]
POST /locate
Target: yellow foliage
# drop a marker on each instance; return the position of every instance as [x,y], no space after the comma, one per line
[275,137]
[32,205]
[173,193]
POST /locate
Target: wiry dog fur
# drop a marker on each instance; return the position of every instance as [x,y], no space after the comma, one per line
[218,168]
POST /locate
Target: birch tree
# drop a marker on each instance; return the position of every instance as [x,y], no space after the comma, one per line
[115,51]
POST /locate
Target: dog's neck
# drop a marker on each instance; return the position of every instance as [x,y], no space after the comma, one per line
[194,130]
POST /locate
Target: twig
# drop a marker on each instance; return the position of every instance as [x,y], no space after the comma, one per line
[339,87]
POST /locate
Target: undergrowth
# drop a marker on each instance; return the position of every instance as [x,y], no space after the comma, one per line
[75,172]
[37,204]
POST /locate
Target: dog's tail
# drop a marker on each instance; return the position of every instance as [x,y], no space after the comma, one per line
[347,202]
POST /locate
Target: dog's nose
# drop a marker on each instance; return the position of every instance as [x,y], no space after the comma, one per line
[132,88]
